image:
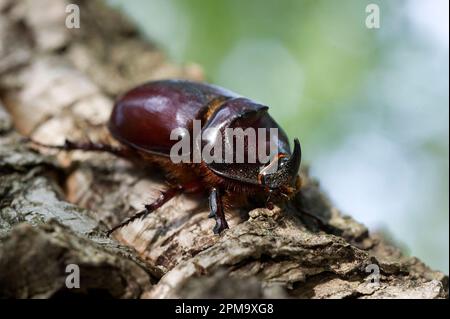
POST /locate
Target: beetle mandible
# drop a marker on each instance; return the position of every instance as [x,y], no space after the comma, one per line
[143,118]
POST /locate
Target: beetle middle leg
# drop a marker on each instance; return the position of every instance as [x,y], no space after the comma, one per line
[164,197]
[216,211]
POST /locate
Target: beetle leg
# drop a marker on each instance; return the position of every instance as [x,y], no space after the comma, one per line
[164,197]
[216,211]
[322,225]
[88,146]
[269,203]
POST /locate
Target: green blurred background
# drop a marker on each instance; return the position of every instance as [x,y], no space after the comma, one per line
[370,106]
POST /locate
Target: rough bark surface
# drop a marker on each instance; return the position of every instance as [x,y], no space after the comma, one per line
[57,82]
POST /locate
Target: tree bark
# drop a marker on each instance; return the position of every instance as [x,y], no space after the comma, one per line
[58,83]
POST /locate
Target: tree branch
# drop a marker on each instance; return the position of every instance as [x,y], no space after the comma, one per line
[59,83]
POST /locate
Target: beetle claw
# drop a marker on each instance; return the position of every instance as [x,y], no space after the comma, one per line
[217,228]
[68,144]
[221,225]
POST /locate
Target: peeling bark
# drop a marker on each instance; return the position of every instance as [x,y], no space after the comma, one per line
[54,207]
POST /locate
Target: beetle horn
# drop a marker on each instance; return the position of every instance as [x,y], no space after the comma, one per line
[293,164]
[287,172]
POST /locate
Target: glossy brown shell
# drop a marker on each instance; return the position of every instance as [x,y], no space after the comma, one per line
[144,117]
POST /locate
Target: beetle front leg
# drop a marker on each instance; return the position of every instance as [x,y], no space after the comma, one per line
[216,211]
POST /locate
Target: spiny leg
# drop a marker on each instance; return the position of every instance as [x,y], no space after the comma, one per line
[314,217]
[304,212]
[164,197]
[216,211]
[89,146]
[322,225]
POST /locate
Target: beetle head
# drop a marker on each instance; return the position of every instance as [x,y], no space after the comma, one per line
[286,173]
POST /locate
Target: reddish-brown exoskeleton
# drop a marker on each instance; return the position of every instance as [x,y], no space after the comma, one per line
[144,118]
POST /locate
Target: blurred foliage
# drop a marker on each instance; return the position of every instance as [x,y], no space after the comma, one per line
[370,105]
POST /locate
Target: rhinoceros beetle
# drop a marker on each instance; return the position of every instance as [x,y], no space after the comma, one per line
[143,121]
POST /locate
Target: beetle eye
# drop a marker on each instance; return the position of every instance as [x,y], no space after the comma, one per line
[282,161]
